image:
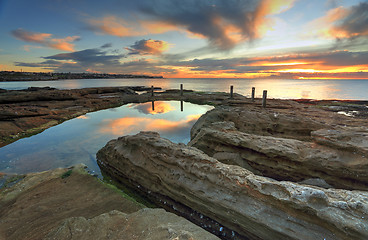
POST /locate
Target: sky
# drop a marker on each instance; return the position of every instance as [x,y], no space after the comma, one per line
[254,39]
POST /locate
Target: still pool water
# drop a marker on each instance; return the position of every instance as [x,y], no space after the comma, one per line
[78,140]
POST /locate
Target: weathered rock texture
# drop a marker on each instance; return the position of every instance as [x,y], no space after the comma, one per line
[254,206]
[146,224]
[289,159]
[78,206]
[41,201]
[285,147]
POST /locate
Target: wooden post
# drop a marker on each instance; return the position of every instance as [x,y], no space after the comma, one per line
[253,92]
[231,91]
[264,98]
[152,91]
[181,89]
[181,105]
[153,106]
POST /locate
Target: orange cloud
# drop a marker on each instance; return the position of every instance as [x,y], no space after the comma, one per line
[264,21]
[112,25]
[45,39]
[63,43]
[271,7]
[157,27]
[342,22]
[148,47]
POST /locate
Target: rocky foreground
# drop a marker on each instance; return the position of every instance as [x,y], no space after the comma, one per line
[290,171]
[71,204]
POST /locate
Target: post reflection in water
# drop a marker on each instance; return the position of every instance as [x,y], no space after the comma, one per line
[78,140]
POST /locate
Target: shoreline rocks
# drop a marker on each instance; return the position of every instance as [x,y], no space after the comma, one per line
[59,203]
[254,206]
[345,166]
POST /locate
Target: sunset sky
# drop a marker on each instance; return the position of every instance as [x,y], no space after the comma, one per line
[286,39]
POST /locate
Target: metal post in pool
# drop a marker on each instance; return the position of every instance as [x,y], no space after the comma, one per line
[231,91]
[181,89]
[253,92]
[264,98]
[152,91]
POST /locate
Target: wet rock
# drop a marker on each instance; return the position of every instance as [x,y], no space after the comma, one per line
[288,159]
[149,224]
[254,206]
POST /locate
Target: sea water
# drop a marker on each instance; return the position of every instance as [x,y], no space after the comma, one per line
[276,88]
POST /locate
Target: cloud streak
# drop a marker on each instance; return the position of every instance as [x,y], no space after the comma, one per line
[45,39]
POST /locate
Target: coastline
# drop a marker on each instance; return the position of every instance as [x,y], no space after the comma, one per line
[27,112]
[12,76]
[288,126]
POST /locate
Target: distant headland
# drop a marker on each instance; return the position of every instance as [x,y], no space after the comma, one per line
[6,76]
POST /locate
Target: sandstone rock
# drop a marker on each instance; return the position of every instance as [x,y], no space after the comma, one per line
[41,201]
[290,159]
[255,121]
[353,139]
[146,224]
[254,206]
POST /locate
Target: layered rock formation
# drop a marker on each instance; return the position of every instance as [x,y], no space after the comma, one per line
[284,146]
[254,206]
[343,166]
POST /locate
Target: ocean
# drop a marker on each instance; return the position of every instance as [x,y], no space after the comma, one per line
[276,88]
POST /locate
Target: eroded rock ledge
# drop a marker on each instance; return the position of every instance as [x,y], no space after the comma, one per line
[254,206]
[287,145]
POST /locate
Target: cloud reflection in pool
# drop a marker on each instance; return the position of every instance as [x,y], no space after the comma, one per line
[78,140]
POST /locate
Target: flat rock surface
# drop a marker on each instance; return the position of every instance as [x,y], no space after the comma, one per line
[145,224]
[41,201]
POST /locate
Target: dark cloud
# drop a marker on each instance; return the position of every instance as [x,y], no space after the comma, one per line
[89,57]
[107,45]
[211,19]
[355,24]
[148,47]
[97,60]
